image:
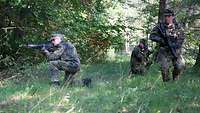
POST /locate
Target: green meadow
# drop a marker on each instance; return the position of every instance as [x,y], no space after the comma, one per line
[112,91]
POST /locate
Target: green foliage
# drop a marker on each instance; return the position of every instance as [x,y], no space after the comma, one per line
[93,26]
[150,13]
[84,23]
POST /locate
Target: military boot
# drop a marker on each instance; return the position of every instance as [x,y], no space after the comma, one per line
[55,83]
[165,76]
[69,78]
[176,74]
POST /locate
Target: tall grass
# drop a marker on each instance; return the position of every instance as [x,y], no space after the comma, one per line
[112,91]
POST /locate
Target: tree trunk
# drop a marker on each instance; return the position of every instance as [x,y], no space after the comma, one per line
[162,6]
[197,63]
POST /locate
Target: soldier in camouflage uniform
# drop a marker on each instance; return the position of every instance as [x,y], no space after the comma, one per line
[170,38]
[139,58]
[63,57]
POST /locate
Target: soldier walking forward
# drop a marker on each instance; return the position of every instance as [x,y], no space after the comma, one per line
[170,38]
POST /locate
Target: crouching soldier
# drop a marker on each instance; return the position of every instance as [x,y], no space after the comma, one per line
[169,37]
[64,57]
[139,58]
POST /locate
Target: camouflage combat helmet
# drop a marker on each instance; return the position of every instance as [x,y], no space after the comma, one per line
[57,35]
[168,12]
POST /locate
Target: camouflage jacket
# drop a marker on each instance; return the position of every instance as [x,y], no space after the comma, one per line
[65,51]
[175,35]
[139,54]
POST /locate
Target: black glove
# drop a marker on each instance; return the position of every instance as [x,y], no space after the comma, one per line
[44,50]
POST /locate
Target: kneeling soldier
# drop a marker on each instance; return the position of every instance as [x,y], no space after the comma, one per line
[139,60]
[63,57]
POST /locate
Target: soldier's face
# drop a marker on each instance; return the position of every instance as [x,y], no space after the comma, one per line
[56,40]
[169,19]
[141,45]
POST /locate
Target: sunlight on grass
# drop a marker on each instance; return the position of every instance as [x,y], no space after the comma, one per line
[112,91]
[1,84]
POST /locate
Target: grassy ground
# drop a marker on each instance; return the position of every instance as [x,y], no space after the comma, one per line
[112,91]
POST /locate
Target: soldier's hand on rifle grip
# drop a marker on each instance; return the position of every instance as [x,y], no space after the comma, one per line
[162,42]
[175,58]
[44,49]
[177,34]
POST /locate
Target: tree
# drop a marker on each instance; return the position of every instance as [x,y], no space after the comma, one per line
[197,64]
[162,6]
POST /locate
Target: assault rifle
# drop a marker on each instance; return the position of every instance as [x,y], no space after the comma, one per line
[48,46]
[169,43]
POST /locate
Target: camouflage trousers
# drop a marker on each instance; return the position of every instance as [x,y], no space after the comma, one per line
[165,59]
[137,67]
[56,66]
[140,69]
